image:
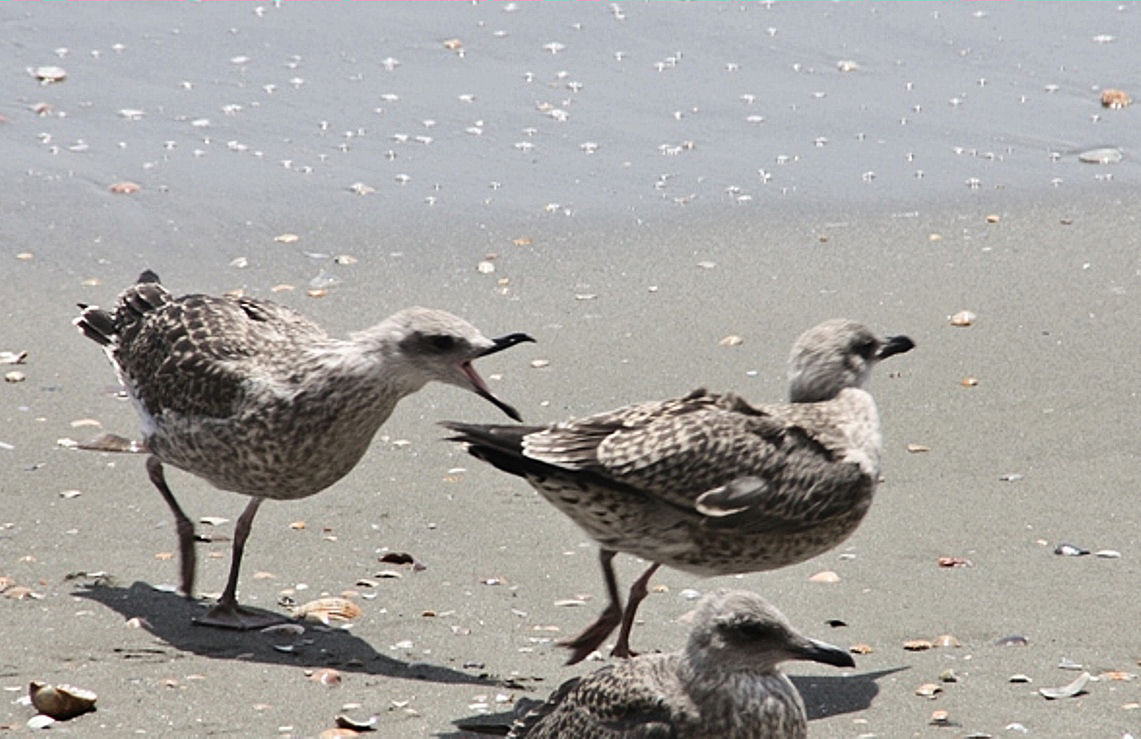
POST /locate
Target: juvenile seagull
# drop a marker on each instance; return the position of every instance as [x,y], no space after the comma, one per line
[709,483]
[724,684]
[259,400]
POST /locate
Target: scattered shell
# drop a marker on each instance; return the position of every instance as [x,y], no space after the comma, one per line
[1106,155]
[297,525]
[1011,477]
[940,718]
[993,218]
[124,188]
[346,722]
[326,610]
[1066,691]
[282,287]
[928,690]
[861,649]
[948,676]
[69,494]
[968,382]
[946,640]
[361,188]
[954,562]
[916,448]
[1014,640]
[325,676]
[847,65]
[1019,678]
[337,733]
[485,267]
[213,520]
[20,592]
[1070,550]
[13,357]
[917,645]
[287,238]
[453,44]
[522,241]
[1107,554]
[40,721]
[316,292]
[1065,663]
[540,363]
[731,340]
[344,259]
[825,576]
[15,376]
[61,702]
[1114,98]
[1117,675]
[963,318]
[290,629]
[25,256]
[48,74]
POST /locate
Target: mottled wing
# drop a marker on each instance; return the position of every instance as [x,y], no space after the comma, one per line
[614,701]
[193,354]
[680,450]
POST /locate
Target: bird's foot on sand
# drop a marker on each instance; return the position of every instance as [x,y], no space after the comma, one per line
[591,639]
[239,618]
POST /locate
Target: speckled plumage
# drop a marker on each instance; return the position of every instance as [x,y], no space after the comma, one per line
[708,483]
[257,399]
[725,684]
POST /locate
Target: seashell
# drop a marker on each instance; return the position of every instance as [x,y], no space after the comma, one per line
[1066,691]
[13,357]
[1107,554]
[40,721]
[124,188]
[861,649]
[948,676]
[917,448]
[993,218]
[61,702]
[337,733]
[963,318]
[48,74]
[968,382]
[917,645]
[826,576]
[1070,550]
[1014,640]
[325,676]
[345,722]
[946,640]
[1019,678]
[1114,98]
[928,690]
[940,718]
[731,340]
[14,376]
[1106,155]
[954,562]
[326,610]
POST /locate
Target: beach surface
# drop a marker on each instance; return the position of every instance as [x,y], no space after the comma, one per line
[630,184]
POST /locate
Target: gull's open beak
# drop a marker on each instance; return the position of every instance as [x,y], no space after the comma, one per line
[479,387]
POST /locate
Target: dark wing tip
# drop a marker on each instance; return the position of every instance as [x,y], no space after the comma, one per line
[148,275]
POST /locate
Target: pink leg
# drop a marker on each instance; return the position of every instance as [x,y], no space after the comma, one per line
[592,638]
[637,593]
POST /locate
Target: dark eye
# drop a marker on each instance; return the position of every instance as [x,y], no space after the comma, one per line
[866,348]
[752,630]
[442,342]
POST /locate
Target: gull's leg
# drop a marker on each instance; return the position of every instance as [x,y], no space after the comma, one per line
[228,614]
[182,523]
[592,638]
[637,593]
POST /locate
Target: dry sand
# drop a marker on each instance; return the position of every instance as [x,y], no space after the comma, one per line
[629,296]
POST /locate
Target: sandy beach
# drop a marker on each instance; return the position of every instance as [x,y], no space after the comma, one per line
[638,182]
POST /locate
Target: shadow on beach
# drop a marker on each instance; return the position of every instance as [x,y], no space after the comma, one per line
[168,616]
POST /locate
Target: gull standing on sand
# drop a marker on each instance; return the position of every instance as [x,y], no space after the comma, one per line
[708,483]
[257,399]
[725,684]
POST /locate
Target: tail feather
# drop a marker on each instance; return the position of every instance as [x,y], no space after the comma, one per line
[499,446]
[96,324]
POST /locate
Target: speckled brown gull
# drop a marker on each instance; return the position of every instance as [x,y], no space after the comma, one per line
[708,483]
[257,399]
[725,684]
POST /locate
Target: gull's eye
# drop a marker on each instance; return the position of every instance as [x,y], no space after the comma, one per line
[442,342]
[866,348]
[751,630]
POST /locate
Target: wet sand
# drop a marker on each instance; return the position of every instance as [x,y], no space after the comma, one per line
[629,265]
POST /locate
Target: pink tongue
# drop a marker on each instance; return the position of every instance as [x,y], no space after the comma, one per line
[474,377]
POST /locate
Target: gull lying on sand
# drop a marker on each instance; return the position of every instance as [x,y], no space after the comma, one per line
[725,683]
[257,399]
[708,483]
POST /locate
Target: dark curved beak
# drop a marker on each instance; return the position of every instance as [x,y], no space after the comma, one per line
[895,345]
[818,651]
[504,342]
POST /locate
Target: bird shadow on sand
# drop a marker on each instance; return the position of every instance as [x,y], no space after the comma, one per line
[168,616]
[824,696]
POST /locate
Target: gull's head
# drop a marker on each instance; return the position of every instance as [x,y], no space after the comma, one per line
[837,354]
[737,629]
[436,345]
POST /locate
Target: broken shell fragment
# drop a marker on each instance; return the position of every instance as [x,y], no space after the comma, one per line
[1114,98]
[346,722]
[48,74]
[124,188]
[325,676]
[61,702]
[946,640]
[917,645]
[861,649]
[1070,550]
[928,690]
[1066,691]
[963,318]
[827,576]
[327,610]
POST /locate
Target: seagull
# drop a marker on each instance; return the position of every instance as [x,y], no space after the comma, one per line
[256,399]
[726,683]
[709,483]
